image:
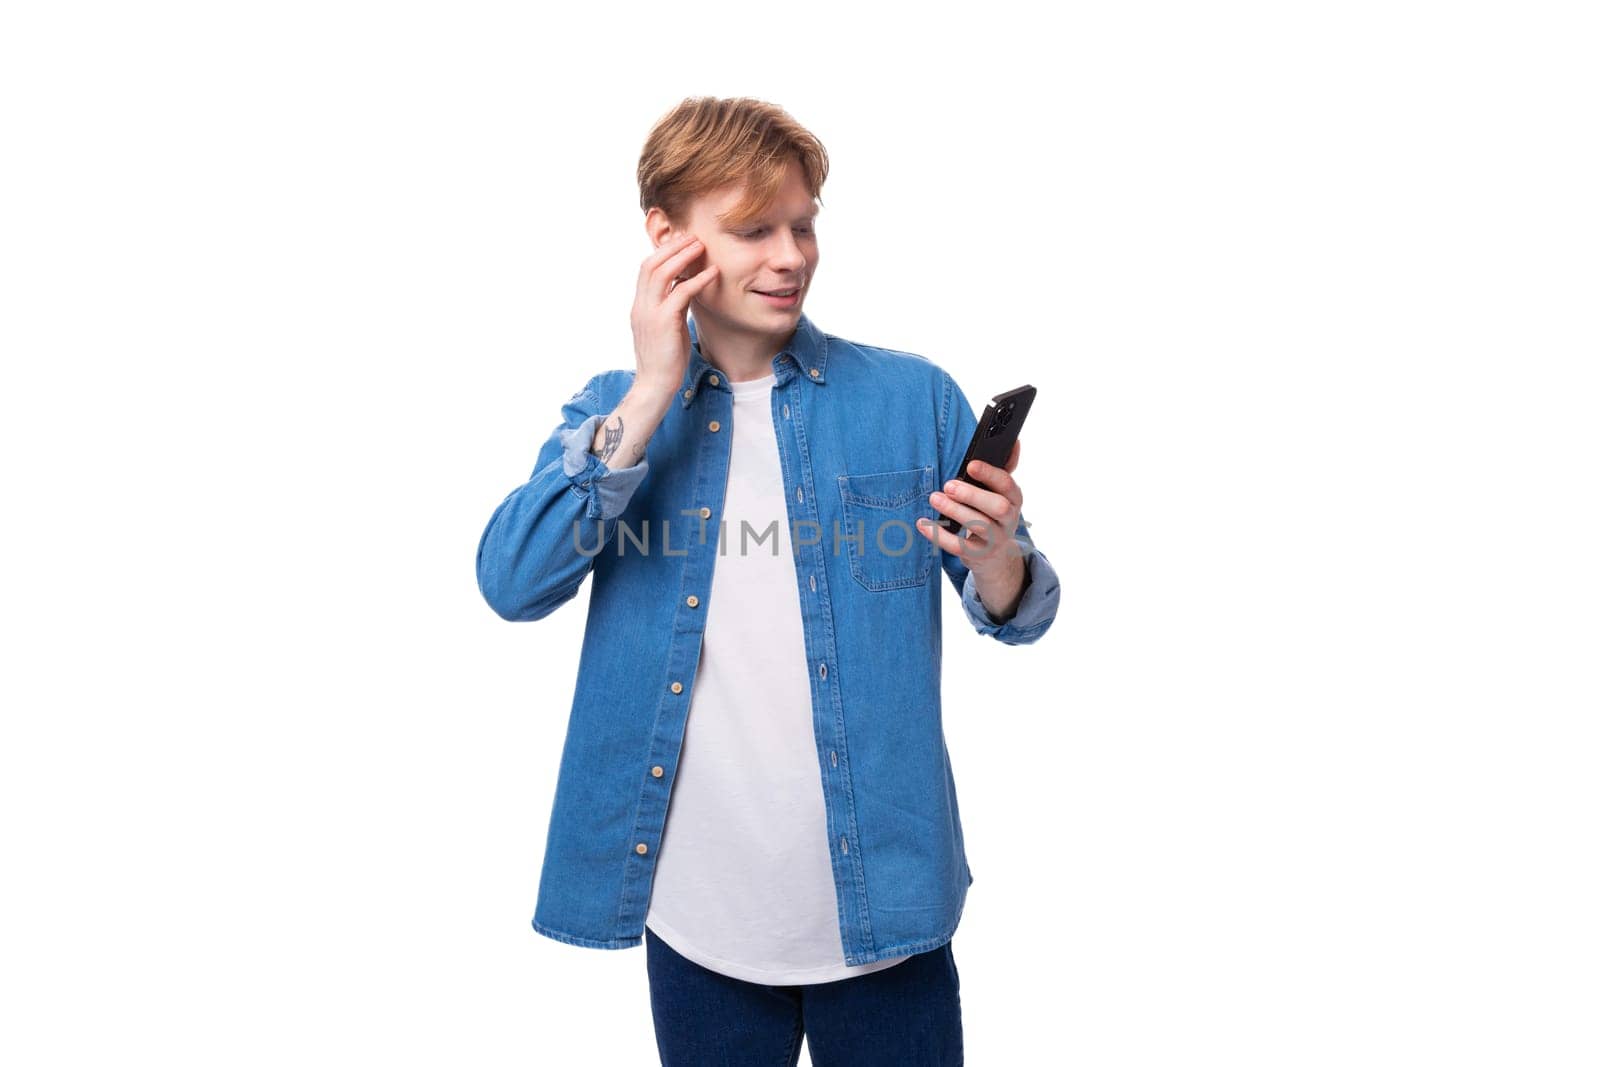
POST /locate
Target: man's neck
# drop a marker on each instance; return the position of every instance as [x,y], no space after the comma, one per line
[739,355]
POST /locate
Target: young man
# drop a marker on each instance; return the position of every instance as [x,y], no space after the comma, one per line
[754,780]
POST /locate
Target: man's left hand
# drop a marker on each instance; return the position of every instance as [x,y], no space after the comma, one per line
[989,513]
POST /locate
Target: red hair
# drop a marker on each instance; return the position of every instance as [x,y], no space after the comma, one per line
[706,143]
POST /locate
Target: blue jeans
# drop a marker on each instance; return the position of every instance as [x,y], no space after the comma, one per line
[907,1014]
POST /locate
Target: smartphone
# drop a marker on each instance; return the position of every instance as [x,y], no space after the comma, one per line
[997,432]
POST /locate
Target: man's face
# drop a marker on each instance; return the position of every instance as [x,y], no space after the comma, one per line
[775,252]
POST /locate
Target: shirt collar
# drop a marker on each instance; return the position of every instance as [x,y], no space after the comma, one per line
[807,347]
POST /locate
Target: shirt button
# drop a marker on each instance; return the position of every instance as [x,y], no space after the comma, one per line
[705,513]
[786,411]
[833,758]
[687,393]
[824,670]
[800,494]
[656,772]
[641,848]
[693,601]
[844,843]
[813,583]
[815,373]
[677,687]
[715,379]
[715,425]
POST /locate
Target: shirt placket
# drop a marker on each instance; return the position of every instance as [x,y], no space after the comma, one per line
[816,618]
[690,536]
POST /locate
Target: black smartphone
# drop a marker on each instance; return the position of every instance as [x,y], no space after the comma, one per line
[997,432]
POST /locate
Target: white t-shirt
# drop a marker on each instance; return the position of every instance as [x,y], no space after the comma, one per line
[744,880]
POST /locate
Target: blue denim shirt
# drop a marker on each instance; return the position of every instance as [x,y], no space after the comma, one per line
[865,434]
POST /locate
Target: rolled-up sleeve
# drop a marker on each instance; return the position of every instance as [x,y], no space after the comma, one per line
[535,553]
[609,488]
[1036,610]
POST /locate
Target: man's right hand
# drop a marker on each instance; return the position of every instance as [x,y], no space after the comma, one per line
[661,309]
[660,348]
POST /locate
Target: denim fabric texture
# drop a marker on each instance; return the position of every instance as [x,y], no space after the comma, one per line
[864,435]
[907,1014]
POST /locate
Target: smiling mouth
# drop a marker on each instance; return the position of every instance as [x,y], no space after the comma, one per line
[779,292]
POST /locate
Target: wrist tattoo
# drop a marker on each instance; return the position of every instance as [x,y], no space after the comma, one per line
[613,439]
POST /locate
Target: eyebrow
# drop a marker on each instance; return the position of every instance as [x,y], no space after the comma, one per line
[814,211]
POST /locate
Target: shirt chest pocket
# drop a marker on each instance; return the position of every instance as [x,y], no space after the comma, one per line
[880,527]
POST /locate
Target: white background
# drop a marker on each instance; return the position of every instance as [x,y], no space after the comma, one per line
[1305,772]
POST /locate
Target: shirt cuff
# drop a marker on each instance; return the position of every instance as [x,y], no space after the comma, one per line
[1036,610]
[608,488]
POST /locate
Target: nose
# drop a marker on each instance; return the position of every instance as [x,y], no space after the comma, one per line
[787,258]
